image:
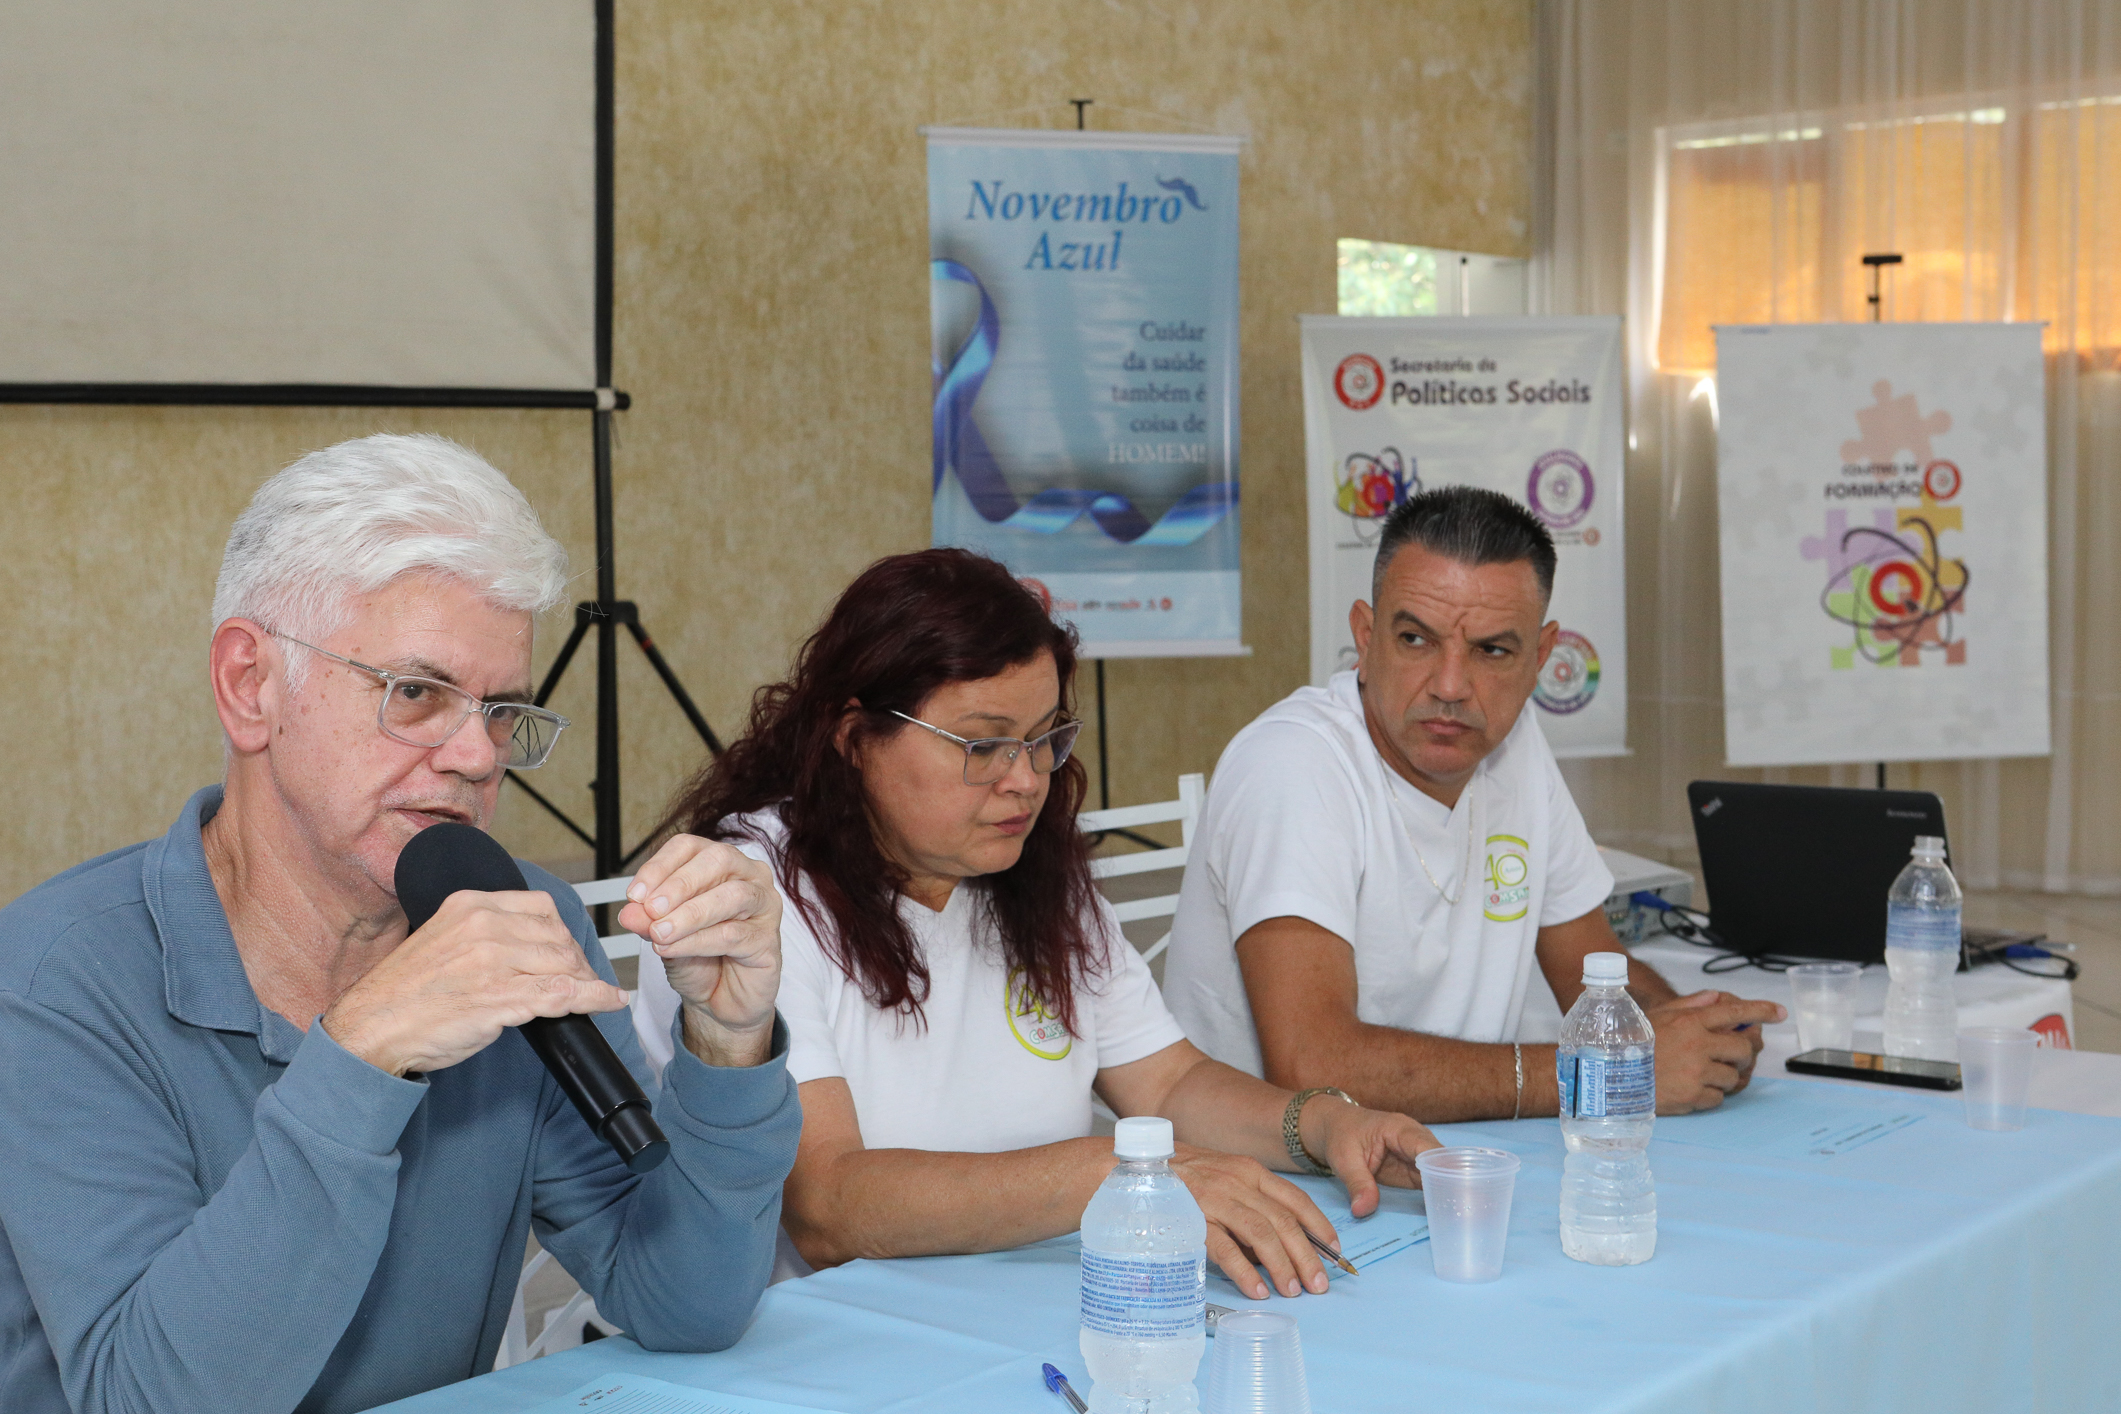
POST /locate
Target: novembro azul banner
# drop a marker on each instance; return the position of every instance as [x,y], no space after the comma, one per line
[1083,292]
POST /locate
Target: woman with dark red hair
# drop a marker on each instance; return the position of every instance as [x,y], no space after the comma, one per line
[954,987]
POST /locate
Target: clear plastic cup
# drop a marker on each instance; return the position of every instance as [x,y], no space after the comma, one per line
[1256,1366]
[1995,1072]
[1467,1192]
[1824,994]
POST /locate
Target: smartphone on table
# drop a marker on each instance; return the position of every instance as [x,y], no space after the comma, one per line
[1884,1070]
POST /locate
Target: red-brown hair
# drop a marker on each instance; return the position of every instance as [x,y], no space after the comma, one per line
[907,626]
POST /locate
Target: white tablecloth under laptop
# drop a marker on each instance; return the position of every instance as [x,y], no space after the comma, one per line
[1988,996]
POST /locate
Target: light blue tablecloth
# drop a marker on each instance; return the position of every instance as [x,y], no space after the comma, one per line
[1934,1268]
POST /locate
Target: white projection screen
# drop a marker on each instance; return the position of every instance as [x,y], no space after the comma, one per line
[397,193]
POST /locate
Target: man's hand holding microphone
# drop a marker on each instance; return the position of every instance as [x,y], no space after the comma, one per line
[486,960]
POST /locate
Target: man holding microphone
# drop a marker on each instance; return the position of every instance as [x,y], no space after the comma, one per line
[265,1151]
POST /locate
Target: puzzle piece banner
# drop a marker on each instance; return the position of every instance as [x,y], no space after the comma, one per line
[1083,292]
[1883,504]
[1527,407]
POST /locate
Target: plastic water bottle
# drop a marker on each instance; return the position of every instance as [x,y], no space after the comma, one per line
[1607,1068]
[1922,953]
[1145,1280]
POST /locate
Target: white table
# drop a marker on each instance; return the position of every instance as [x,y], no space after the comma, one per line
[1988,996]
[2083,1082]
[1937,1270]
[2080,1082]
[1993,995]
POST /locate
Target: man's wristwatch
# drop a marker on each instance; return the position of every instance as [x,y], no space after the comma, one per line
[1292,1137]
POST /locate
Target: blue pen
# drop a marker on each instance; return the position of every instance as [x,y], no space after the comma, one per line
[1058,1383]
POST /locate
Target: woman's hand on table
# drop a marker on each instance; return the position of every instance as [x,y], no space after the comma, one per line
[1256,1218]
[1364,1147]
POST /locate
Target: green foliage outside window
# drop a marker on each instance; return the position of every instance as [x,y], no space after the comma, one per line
[1377,277]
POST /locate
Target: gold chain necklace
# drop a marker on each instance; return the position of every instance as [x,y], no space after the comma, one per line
[1465,866]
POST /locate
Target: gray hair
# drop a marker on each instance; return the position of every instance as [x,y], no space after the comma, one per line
[351,518]
[1472,526]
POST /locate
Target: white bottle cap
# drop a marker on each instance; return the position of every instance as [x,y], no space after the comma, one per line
[1928,847]
[1605,969]
[1145,1137]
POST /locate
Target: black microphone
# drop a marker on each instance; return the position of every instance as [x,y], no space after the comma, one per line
[444,859]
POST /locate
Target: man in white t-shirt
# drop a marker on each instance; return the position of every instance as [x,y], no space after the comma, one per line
[1383,860]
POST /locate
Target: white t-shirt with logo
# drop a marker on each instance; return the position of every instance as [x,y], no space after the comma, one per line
[988,1069]
[1304,819]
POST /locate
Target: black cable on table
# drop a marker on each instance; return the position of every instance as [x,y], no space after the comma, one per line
[1693,926]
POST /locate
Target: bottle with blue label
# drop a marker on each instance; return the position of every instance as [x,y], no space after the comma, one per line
[1145,1279]
[1606,1066]
[1922,953]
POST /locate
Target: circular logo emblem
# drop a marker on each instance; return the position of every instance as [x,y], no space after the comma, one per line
[1896,587]
[1359,381]
[1940,480]
[1508,877]
[1590,535]
[1035,1027]
[1570,679]
[1560,489]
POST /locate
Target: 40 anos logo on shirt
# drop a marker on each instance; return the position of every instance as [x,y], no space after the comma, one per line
[1034,1026]
[1508,878]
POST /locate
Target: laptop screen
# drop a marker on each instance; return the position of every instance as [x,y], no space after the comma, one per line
[1803,871]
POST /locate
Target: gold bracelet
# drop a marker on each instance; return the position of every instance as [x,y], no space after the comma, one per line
[1292,1138]
[1517,1049]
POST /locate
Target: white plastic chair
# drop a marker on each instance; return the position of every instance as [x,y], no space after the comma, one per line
[1192,791]
[565,1322]
[562,1326]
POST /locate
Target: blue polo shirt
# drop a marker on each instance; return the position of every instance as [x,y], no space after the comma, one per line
[204,1208]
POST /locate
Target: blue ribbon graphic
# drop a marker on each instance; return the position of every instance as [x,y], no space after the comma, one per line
[959,447]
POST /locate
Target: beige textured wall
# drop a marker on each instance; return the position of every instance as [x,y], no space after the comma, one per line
[772,326]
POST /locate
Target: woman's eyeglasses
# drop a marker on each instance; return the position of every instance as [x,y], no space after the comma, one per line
[989,758]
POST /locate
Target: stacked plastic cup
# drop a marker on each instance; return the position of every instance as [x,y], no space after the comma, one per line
[1256,1366]
[1996,1072]
[1467,1192]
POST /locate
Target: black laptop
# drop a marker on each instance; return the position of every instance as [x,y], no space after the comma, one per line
[1803,871]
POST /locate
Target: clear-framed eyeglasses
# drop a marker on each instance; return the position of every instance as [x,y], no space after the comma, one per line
[425,712]
[989,758]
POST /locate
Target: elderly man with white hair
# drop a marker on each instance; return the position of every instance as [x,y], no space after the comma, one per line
[264,1151]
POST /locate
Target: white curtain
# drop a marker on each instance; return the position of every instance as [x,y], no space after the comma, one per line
[1728,161]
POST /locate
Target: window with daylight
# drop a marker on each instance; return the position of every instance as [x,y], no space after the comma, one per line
[1767,222]
[1377,277]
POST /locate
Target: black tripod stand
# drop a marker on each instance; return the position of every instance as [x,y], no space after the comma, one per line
[605,613]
